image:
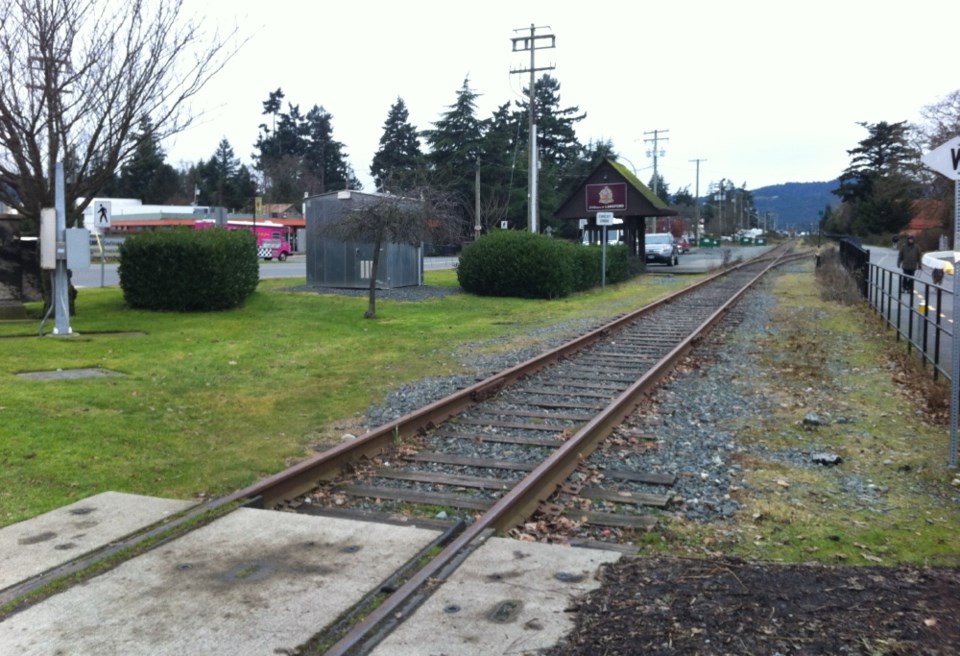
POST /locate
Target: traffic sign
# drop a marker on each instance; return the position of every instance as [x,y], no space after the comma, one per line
[102,215]
[604,218]
[945,159]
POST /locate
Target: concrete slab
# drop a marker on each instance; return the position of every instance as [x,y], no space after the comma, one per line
[36,545]
[253,582]
[509,597]
[69,374]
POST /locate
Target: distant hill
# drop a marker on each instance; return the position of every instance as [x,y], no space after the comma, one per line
[796,204]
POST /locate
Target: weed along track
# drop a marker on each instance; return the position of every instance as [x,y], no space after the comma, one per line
[507,456]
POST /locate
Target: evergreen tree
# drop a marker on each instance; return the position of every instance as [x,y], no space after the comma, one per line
[146,175]
[325,164]
[398,162]
[560,154]
[455,139]
[299,154]
[224,166]
[319,143]
[503,186]
[243,189]
[455,146]
[878,187]
[683,198]
[663,189]
[556,136]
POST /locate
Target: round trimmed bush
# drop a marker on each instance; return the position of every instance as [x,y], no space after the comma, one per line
[519,264]
[187,270]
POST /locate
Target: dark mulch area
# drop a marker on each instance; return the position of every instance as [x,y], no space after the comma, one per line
[679,606]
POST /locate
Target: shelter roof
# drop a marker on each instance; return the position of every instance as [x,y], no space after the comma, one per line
[612,187]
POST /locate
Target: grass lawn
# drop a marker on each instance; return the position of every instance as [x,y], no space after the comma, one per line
[210,402]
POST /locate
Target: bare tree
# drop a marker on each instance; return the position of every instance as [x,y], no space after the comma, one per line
[941,122]
[76,78]
[389,219]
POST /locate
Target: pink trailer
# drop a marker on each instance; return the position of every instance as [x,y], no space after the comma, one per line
[273,239]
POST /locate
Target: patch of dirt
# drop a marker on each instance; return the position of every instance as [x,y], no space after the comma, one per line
[722,606]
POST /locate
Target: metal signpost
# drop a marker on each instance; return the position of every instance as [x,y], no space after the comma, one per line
[61,280]
[103,216]
[946,160]
[604,219]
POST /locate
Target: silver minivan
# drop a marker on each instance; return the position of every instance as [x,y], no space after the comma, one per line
[661,247]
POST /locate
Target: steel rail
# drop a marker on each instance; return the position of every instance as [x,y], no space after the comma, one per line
[524,498]
[304,476]
[270,491]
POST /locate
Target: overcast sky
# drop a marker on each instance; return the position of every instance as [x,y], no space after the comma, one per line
[764,92]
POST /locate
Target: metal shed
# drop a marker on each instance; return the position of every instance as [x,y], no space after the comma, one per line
[332,263]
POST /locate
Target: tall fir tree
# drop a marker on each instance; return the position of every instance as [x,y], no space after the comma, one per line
[879,186]
[146,175]
[398,163]
[558,150]
[225,166]
[299,154]
[455,144]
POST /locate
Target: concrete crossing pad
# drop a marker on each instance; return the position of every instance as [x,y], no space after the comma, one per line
[252,582]
[36,545]
[509,597]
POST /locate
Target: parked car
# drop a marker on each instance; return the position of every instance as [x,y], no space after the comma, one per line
[660,247]
[683,246]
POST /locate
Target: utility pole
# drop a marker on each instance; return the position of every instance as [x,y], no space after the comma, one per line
[476,203]
[524,44]
[656,151]
[721,198]
[696,197]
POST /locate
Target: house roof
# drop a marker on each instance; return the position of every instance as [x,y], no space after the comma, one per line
[927,214]
[281,209]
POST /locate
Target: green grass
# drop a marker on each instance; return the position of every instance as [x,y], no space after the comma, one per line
[210,402]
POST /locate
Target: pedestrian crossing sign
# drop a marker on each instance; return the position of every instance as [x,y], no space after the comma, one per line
[101,215]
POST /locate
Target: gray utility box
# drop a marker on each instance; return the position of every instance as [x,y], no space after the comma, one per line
[347,264]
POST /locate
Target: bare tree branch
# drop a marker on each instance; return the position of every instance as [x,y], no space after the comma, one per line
[76,77]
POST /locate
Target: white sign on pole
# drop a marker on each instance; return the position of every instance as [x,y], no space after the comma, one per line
[945,159]
[102,215]
[504,225]
[604,218]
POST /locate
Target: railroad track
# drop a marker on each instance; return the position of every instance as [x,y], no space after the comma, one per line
[494,455]
[528,430]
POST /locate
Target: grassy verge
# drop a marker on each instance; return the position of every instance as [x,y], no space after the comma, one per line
[891,500]
[210,402]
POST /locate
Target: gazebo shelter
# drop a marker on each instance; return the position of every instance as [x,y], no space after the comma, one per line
[613,188]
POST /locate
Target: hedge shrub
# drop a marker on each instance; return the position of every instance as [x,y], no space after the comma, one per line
[527,265]
[187,270]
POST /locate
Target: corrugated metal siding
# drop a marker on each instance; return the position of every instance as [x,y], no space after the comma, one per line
[332,263]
